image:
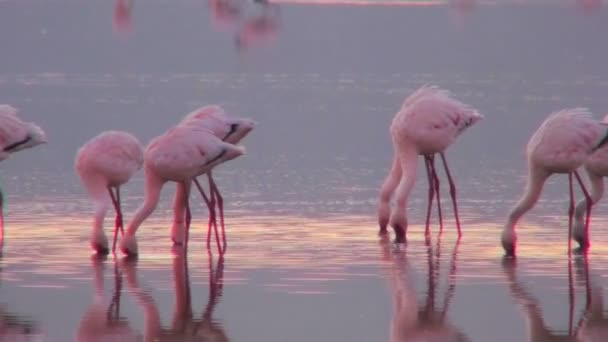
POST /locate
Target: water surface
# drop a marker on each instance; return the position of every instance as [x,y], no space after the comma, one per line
[304,262]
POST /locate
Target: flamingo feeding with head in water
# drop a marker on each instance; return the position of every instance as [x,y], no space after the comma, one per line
[179,155]
[429,121]
[15,135]
[561,144]
[231,130]
[104,164]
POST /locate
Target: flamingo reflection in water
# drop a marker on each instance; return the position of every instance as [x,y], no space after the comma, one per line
[411,322]
[15,327]
[101,321]
[184,327]
[592,325]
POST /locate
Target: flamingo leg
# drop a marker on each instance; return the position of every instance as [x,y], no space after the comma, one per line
[452,192]
[220,203]
[118,224]
[585,244]
[427,162]
[210,201]
[215,192]
[430,300]
[188,215]
[571,298]
[570,212]
[1,221]
[436,180]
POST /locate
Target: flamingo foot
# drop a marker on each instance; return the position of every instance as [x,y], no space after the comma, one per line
[399,233]
[128,245]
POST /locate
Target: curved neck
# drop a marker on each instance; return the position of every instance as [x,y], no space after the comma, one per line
[152,196]
[536,180]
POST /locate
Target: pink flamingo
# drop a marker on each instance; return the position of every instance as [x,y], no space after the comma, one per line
[428,123]
[597,168]
[224,12]
[229,129]
[122,15]
[560,145]
[259,29]
[104,164]
[15,135]
[179,155]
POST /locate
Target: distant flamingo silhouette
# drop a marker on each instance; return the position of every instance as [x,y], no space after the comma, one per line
[179,155]
[259,29]
[15,135]
[104,164]
[597,168]
[410,321]
[231,130]
[561,144]
[122,15]
[428,123]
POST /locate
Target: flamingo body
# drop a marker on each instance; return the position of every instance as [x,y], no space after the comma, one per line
[15,135]
[226,127]
[429,121]
[107,161]
[179,155]
[562,144]
[214,118]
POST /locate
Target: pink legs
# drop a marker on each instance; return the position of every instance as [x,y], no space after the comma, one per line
[452,192]
[210,201]
[118,222]
[434,191]
[215,194]
[584,243]
[1,221]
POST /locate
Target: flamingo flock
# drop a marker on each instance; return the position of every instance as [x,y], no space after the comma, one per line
[427,124]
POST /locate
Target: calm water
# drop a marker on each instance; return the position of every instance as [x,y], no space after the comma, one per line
[304,262]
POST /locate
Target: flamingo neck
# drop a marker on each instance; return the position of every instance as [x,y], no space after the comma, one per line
[152,196]
[534,186]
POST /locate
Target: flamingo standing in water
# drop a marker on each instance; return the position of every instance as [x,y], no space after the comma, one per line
[15,135]
[103,164]
[428,123]
[229,129]
[560,145]
[179,155]
[597,168]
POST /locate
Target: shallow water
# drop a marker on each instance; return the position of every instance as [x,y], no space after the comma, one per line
[304,262]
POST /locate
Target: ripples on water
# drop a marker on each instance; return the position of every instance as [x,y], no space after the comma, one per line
[304,262]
